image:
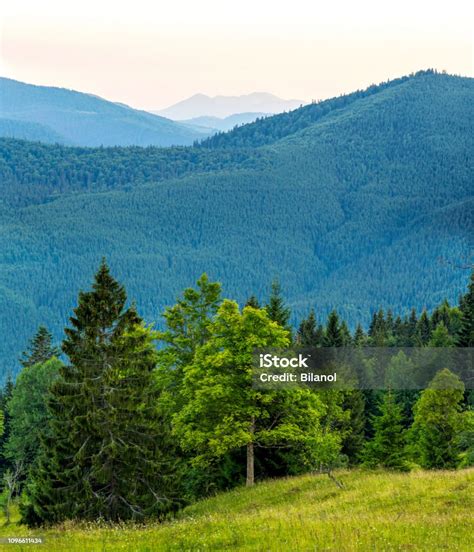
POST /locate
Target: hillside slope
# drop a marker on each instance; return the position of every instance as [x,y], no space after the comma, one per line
[374,511]
[85,120]
[352,211]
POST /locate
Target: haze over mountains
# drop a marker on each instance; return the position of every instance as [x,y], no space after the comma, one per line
[217,124]
[58,115]
[346,201]
[223,106]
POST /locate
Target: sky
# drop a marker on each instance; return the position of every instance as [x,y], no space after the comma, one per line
[151,54]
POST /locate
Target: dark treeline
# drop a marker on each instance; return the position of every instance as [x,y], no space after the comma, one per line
[35,172]
[134,423]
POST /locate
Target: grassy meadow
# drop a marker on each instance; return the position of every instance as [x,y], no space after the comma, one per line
[375,511]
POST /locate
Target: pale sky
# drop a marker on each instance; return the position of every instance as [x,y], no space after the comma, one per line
[150,54]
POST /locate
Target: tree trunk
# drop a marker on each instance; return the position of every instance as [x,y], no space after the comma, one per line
[251,457]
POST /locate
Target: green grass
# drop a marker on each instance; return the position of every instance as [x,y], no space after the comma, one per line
[376,511]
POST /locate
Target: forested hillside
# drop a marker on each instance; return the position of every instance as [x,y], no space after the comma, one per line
[74,118]
[353,203]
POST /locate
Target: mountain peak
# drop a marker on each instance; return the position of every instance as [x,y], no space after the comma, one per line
[201,105]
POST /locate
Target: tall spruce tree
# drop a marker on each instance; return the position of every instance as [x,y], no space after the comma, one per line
[354,403]
[40,348]
[333,336]
[442,313]
[359,339]
[387,447]
[423,329]
[5,396]
[412,327]
[389,323]
[346,334]
[276,308]
[104,454]
[465,336]
[307,333]
[398,332]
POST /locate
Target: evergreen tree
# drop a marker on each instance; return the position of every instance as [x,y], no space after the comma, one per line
[6,395]
[465,336]
[360,339]
[389,323]
[441,337]
[398,332]
[252,302]
[378,329]
[386,448]
[354,403]
[308,334]
[104,452]
[40,348]
[373,324]
[276,308]
[442,313]
[423,329]
[345,334]
[333,336]
[319,336]
[412,327]
[401,377]
[437,422]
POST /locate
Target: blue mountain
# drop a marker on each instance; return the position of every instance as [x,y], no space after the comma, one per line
[73,118]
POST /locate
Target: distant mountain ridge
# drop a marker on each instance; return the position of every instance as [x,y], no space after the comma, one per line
[201,105]
[69,117]
[223,124]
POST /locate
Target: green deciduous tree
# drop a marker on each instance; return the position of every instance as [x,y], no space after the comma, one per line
[225,412]
[28,412]
[437,422]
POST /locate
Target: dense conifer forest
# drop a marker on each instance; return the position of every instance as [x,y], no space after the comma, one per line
[355,203]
